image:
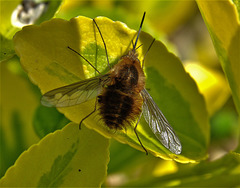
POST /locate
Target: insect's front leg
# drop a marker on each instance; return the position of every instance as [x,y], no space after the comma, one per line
[95,108]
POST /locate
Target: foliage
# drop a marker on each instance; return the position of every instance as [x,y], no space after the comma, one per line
[52,165]
[191,95]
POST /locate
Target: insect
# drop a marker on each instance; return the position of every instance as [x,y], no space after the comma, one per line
[121,97]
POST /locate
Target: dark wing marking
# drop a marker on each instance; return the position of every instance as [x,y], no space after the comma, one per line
[75,93]
[159,124]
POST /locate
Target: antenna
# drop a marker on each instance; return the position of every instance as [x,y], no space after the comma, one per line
[134,47]
[147,52]
[103,42]
[84,59]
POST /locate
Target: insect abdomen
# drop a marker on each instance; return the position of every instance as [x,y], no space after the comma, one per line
[118,109]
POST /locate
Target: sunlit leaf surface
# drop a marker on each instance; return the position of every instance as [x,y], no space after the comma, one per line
[50,64]
[224,28]
[223,172]
[67,157]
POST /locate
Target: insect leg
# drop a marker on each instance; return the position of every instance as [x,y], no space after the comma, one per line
[95,107]
[135,130]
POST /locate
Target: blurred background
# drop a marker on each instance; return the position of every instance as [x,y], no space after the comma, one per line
[178,24]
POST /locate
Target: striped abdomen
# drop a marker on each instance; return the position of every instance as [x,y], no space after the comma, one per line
[120,101]
[118,109]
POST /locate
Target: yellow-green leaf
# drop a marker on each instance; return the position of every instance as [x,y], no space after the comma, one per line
[222,20]
[17,104]
[212,85]
[50,64]
[47,120]
[68,157]
[6,10]
[7,50]
[223,172]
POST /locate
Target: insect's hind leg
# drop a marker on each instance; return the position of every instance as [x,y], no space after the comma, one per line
[135,130]
[95,108]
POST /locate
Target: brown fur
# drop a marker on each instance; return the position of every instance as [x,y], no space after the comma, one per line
[120,101]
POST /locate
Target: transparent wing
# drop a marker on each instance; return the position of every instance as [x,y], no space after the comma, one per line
[75,93]
[159,124]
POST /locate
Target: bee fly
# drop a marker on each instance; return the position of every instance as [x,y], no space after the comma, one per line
[121,97]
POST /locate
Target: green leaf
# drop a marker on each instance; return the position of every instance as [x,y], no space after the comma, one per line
[8,155]
[7,50]
[7,30]
[223,26]
[6,10]
[18,103]
[223,172]
[126,160]
[47,120]
[67,157]
[50,64]
[237,3]
[224,124]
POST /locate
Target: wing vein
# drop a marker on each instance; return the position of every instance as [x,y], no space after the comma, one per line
[75,93]
[159,124]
